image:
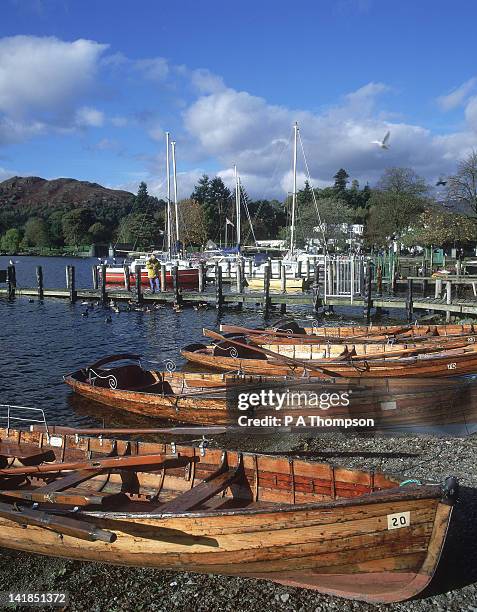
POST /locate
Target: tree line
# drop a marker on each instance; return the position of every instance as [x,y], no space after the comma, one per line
[401,206]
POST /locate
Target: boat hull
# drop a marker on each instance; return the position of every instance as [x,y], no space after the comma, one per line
[187,278]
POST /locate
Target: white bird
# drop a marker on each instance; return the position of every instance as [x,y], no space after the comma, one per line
[384,142]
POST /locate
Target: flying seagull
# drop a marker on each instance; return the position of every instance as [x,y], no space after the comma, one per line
[384,142]
[441,183]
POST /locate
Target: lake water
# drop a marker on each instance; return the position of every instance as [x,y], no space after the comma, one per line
[42,341]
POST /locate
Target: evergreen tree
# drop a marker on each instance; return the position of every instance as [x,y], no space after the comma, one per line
[201,190]
[305,195]
[341,180]
[142,199]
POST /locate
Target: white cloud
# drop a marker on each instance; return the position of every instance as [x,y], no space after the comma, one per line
[119,121]
[206,81]
[471,113]
[6,174]
[155,69]
[86,116]
[42,75]
[458,95]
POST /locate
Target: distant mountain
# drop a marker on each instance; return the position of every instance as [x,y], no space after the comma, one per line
[63,192]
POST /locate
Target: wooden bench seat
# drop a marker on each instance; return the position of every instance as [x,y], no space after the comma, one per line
[25,454]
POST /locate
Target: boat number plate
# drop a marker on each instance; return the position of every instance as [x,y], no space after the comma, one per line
[56,441]
[398,520]
[451,366]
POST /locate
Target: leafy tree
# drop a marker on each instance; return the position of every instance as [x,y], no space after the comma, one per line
[55,227]
[75,225]
[390,215]
[98,232]
[268,218]
[341,180]
[403,181]
[36,233]
[462,187]
[10,241]
[193,222]
[141,229]
[435,226]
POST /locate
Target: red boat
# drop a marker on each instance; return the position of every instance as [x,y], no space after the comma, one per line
[188,277]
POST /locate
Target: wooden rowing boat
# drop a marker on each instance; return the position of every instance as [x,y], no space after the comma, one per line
[289,332]
[228,356]
[356,534]
[213,399]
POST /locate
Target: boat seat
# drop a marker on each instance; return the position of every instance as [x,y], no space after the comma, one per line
[25,454]
[202,492]
[75,497]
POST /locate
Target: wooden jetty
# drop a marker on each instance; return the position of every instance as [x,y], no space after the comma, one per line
[441,294]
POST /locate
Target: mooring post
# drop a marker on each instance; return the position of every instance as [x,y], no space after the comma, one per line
[307,269]
[448,299]
[94,270]
[410,301]
[175,285]
[425,285]
[229,270]
[163,278]
[218,287]
[316,281]
[266,289]
[368,299]
[283,286]
[103,296]
[127,277]
[201,277]
[438,289]
[379,280]
[11,281]
[137,284]
[39,281]
[72,283]
[298,273]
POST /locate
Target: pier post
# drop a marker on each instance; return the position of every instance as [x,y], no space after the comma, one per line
[283,286]
[317,274]
[103,284]
[266,289]
[448,299]
[39,281]
[70,270]
[138,284]
[409,301]
[127,277]
[368,298]
[163,278]
[298,265]
[94,270]
[201,277]
[425,285]
[11,281]
[438,289]
[218,287]
[239,281]
[307,270]
[379,281]
[250,267]
[229,270]
[175,285]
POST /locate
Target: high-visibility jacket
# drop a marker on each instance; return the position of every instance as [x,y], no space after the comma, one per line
[153,268]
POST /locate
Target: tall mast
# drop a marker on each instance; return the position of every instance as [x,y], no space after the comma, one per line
[237,206]
[292,229]
[174,174]
[168,172]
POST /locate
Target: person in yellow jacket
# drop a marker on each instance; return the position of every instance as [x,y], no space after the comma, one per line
[153,270]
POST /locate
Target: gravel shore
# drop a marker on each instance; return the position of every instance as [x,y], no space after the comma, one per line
[93,586]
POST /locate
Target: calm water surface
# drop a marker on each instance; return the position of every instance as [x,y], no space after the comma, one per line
[42,341]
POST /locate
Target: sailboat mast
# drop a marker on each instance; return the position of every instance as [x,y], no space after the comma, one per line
[174,174]
[292,229]
[237,206]
[168,172]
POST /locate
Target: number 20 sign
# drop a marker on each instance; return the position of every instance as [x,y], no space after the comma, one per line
[398,520]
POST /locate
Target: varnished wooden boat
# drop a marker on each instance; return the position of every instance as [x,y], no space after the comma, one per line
[250,360]
[289,332]
[346,532]
[212,399]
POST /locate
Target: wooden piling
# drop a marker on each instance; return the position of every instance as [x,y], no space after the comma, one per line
[138,284]
[379,280]
[39,281]
[307,269]
[266,289]
[438,288]
[94,270]
[298,265]
[201,277]
[229,270]
[283,286]
[11,281]
[410,299]
[163,278]
[175,285]
[368,298]
[448,299]
[103,284]
[425,286]
[127,277]
[218,287]
[70,270]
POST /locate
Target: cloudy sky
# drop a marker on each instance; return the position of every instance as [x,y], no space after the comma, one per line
[87,89]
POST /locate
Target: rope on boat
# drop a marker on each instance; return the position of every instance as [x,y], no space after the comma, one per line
[410,481]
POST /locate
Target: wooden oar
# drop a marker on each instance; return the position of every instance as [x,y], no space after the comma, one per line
[60,524]
[112,431]
[280,358]
[128,461]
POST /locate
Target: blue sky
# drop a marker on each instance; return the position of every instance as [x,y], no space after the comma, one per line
[87,89]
